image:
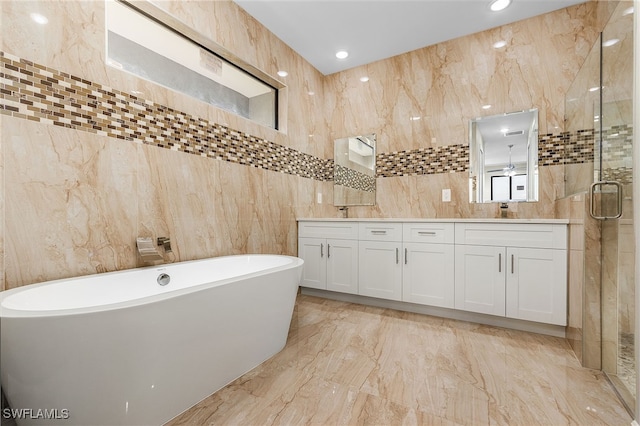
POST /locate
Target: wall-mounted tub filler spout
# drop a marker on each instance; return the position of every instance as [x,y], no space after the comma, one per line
[147,251]
[165,242]
[345,211]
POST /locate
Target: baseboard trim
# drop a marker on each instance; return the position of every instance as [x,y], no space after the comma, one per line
[532,327]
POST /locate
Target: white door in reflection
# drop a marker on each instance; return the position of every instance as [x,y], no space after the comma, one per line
[509,188]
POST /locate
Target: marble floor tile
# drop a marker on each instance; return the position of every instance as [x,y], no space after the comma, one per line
[348,364]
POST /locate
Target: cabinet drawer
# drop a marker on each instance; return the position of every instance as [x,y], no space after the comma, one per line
[378,231]
[534,235]
[334,229]
[428,233]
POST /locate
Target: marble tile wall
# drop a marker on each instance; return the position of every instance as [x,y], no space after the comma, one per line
[76,199]
[446,85]
[77,193]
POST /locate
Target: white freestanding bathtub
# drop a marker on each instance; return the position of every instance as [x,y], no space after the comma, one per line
[121,349]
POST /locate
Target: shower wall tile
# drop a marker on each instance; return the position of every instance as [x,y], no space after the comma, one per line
[609,288]
[591,311]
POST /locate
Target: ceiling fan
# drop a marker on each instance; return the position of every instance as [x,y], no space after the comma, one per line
[510,169]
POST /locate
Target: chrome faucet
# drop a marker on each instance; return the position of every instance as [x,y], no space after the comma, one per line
[503,210]
[165,242]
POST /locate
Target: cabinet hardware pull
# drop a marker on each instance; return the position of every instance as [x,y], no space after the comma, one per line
[499,262]
[406,259]
[321,250]
[378,232]
[426,233]
[512,264]
[328,250]
[397,256]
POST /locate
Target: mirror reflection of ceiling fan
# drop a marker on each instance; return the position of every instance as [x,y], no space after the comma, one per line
[510,169]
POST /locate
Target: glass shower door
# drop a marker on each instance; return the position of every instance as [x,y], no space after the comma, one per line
[613,204]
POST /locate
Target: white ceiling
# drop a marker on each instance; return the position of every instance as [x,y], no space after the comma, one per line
[372,30]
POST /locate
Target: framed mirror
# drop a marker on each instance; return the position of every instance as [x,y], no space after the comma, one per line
[354,174]
[503,158]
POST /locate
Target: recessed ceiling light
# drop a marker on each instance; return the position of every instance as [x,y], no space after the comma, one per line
[486,106]
[283,73]
[342,54]
[364,79]
[499,44]
[628,11]
[38,18]
[498,5]
[610,42]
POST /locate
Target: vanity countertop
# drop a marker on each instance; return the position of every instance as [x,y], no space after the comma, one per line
[439,220]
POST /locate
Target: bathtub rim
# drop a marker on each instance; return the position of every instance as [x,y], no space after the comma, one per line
[5,312]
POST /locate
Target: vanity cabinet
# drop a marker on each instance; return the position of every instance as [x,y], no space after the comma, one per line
[379,257]
[509,270]
[513,270]
[330,254]
[428,270]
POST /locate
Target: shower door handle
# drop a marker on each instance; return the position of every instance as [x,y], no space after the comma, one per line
[592,209]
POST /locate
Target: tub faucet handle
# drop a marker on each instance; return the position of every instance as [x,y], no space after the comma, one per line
[165,242]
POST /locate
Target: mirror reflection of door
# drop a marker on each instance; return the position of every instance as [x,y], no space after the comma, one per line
[509,188]
[503,157]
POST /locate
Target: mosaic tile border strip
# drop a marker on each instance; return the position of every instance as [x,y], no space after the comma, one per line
[354,179]
[618,144]
[38,93]
[566,148]
[423,161]
[34,92]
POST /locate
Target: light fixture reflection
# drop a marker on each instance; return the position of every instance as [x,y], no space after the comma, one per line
[364,79]
[499,5]
[610,42]
[283,73]
[499,44]
[486,106]
[39,18]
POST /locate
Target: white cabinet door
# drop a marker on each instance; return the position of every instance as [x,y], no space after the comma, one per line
[342,266]
[536,285]
[480,279]
[314,271]
[380,272]
[428,275]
